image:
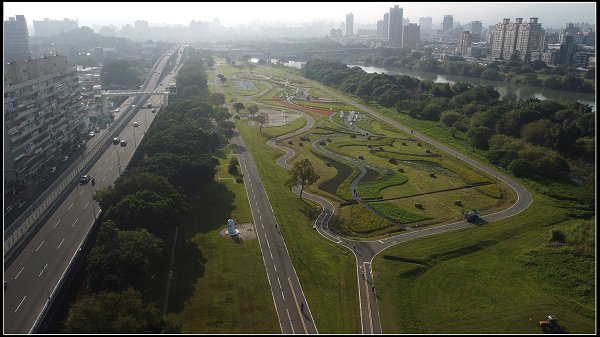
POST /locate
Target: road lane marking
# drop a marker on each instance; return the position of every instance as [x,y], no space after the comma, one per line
[38,248]
[260,217]
[43,270]
[297,307]
[68,209]
[56,224]
[86,205]
[19,272]
[74,222]
[290,320]
[60,243]
[24,297]
[380,241]
[368,296]
[81,191]
[103,179]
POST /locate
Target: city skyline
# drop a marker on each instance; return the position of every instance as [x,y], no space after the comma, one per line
[551,15]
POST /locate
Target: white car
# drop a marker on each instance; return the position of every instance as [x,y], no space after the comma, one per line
[52,169]
[135,124]
[64,158]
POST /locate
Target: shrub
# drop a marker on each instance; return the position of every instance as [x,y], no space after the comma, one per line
[393,161]
[458,203]
[401,170]
[558,236]
[418,205]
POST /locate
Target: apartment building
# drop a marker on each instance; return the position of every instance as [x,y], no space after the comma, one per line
[43,117]
[518,37]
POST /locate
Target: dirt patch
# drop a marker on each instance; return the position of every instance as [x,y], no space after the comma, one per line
[247,231]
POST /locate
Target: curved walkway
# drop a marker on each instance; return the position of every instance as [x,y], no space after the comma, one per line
[365,251]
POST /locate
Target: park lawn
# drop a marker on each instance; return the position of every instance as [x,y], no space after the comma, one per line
[326,271]
[207,295]
[474,280]
[361,221]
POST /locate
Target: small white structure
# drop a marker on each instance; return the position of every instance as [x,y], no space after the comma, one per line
[341,114]
[231,230]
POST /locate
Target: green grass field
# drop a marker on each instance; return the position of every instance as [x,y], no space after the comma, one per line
[207,295]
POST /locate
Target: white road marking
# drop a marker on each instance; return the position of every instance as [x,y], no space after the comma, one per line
[68,209]
[43,270]
[74,222]
[103,179]
[24,300]
[380,241]
[86,205]
[19,272]
[81,191]
[56,224]
[60,244]
[38,248]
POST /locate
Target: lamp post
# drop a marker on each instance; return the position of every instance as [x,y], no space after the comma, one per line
[92,195]
[118,159]
[134,139]
[44,265]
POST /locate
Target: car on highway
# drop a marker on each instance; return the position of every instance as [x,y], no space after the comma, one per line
[97,129]
[63,158]
[153,111]
[116,141]
[135,124]
[123,143]
[91,134]
[81,142]
[8,209]
[84,179]
[52,169]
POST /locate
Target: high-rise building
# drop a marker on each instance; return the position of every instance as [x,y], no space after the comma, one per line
[476,29]
[465,41]
[518,37]
[395,31]
[16,39]
[411,36]
[43,117]
[426,23]
[573,31]
[53,27]
[349,24]
[447,23]
[386,26]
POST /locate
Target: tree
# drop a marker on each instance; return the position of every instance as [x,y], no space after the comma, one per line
[121,259]
[261,119]
[450,117]
[114,313]
[238,107]
[480,136]
[217,99]
[252,109]
[520,168]
[222,78]
[303,174]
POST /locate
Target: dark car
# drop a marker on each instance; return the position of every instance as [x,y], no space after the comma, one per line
[123,143]
[84,179]
[116,140]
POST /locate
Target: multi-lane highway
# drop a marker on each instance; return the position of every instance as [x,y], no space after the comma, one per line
[33,275]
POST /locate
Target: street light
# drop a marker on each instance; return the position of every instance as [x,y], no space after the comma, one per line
[43,270]
[134,139]
[118,159]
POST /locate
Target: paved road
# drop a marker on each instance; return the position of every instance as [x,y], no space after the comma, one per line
[35,273]
[292,309]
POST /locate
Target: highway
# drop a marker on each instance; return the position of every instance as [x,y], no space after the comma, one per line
[34,274]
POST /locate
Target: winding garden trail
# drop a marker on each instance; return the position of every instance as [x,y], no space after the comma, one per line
[365,250]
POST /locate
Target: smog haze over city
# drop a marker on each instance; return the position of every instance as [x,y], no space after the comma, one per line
[552,15]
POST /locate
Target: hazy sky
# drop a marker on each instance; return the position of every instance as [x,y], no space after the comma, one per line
[550,14]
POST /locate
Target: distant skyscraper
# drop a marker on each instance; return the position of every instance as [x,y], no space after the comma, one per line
[573,31]
[476,28]
[411,36]
[386,25]
[54,27]
[518,37]
[447,24]
[16,39]
[426,23]
[349,24]
[395,31]
[465,41]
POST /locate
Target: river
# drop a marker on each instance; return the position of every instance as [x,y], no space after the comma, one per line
[520,90]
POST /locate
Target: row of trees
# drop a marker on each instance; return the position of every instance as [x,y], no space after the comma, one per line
[535,73]
[144,205]
[122,73]
[544,132]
